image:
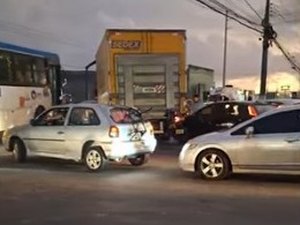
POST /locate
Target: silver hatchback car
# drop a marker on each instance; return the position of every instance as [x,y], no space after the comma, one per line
[86,132]
[269,143]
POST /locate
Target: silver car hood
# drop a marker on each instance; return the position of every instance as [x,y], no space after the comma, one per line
[17,129]
[210,137]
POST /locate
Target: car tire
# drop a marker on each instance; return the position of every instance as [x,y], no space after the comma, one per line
[213,165]
[94,159]
[139,160]
[19,151]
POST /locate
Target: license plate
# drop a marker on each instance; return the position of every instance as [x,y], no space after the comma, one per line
[179,131]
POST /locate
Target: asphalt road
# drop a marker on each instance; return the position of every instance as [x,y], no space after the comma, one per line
[58,192]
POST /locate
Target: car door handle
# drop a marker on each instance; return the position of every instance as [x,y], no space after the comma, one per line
[60,132]
[292,140]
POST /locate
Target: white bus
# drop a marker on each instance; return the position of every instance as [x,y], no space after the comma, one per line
[29,83]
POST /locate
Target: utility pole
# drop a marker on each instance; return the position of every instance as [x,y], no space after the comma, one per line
[87,95]
[268,36]
[225,50]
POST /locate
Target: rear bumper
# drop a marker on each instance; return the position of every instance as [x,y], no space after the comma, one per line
[121,149]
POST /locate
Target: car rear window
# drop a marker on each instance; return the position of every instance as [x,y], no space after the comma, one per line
[125,115]
[261,108]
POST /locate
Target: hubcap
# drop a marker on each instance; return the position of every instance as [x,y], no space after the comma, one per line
[93,159]
[211,165]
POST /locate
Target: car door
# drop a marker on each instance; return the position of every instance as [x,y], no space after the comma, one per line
[83,124]
[200,122]
[274,144]
[47,133]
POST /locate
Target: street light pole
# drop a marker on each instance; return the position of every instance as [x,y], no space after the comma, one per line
[225,50]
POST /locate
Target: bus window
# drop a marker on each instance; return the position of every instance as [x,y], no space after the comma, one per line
[5,68]
[28,78]
[39,72]
[24,70]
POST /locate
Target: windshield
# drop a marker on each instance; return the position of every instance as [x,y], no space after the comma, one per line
[125,115]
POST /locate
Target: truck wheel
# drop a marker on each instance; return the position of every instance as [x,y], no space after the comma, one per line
[139,160]
[94,159]
[19,151]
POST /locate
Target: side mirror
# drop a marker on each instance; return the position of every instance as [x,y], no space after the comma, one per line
[249,131]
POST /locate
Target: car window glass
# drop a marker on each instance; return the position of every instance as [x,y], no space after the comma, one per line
[83,117]
[52,117]
[218,114]
[284,122]
[264,108]
[205,113]
[125,115]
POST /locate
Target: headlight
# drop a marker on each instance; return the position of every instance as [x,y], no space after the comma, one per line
[5,133]
[189,146]
[192,146]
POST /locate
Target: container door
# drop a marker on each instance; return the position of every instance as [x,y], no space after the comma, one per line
[148,81]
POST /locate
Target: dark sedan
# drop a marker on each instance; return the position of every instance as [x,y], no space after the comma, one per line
[221,115]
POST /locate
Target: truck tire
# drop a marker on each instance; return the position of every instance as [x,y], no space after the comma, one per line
[139,160]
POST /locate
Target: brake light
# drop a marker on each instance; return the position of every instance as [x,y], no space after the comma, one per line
[252,111]
[114,131]
[177,119]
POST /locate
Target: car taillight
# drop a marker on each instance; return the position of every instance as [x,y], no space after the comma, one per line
[252,111]
[114,131]
[177,119]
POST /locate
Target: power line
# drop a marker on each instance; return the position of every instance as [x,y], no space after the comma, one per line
[17,28]
[288,57]
[252,8]
[224,7]
[229,16]
[239,7]
[268,34]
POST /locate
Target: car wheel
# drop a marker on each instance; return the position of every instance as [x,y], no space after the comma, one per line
[213,165]
[19,151]
[94,159]
[139,160]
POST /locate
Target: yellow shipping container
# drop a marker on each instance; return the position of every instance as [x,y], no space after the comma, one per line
[143,68]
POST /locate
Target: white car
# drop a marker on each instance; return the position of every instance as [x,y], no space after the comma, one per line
[85,132]
[268,143]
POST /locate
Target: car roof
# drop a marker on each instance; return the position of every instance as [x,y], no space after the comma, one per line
[239,102]
[283,109]
[91,104]
[287,101]
[231,102]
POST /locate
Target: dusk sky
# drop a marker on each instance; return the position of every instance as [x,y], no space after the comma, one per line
[74,28]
